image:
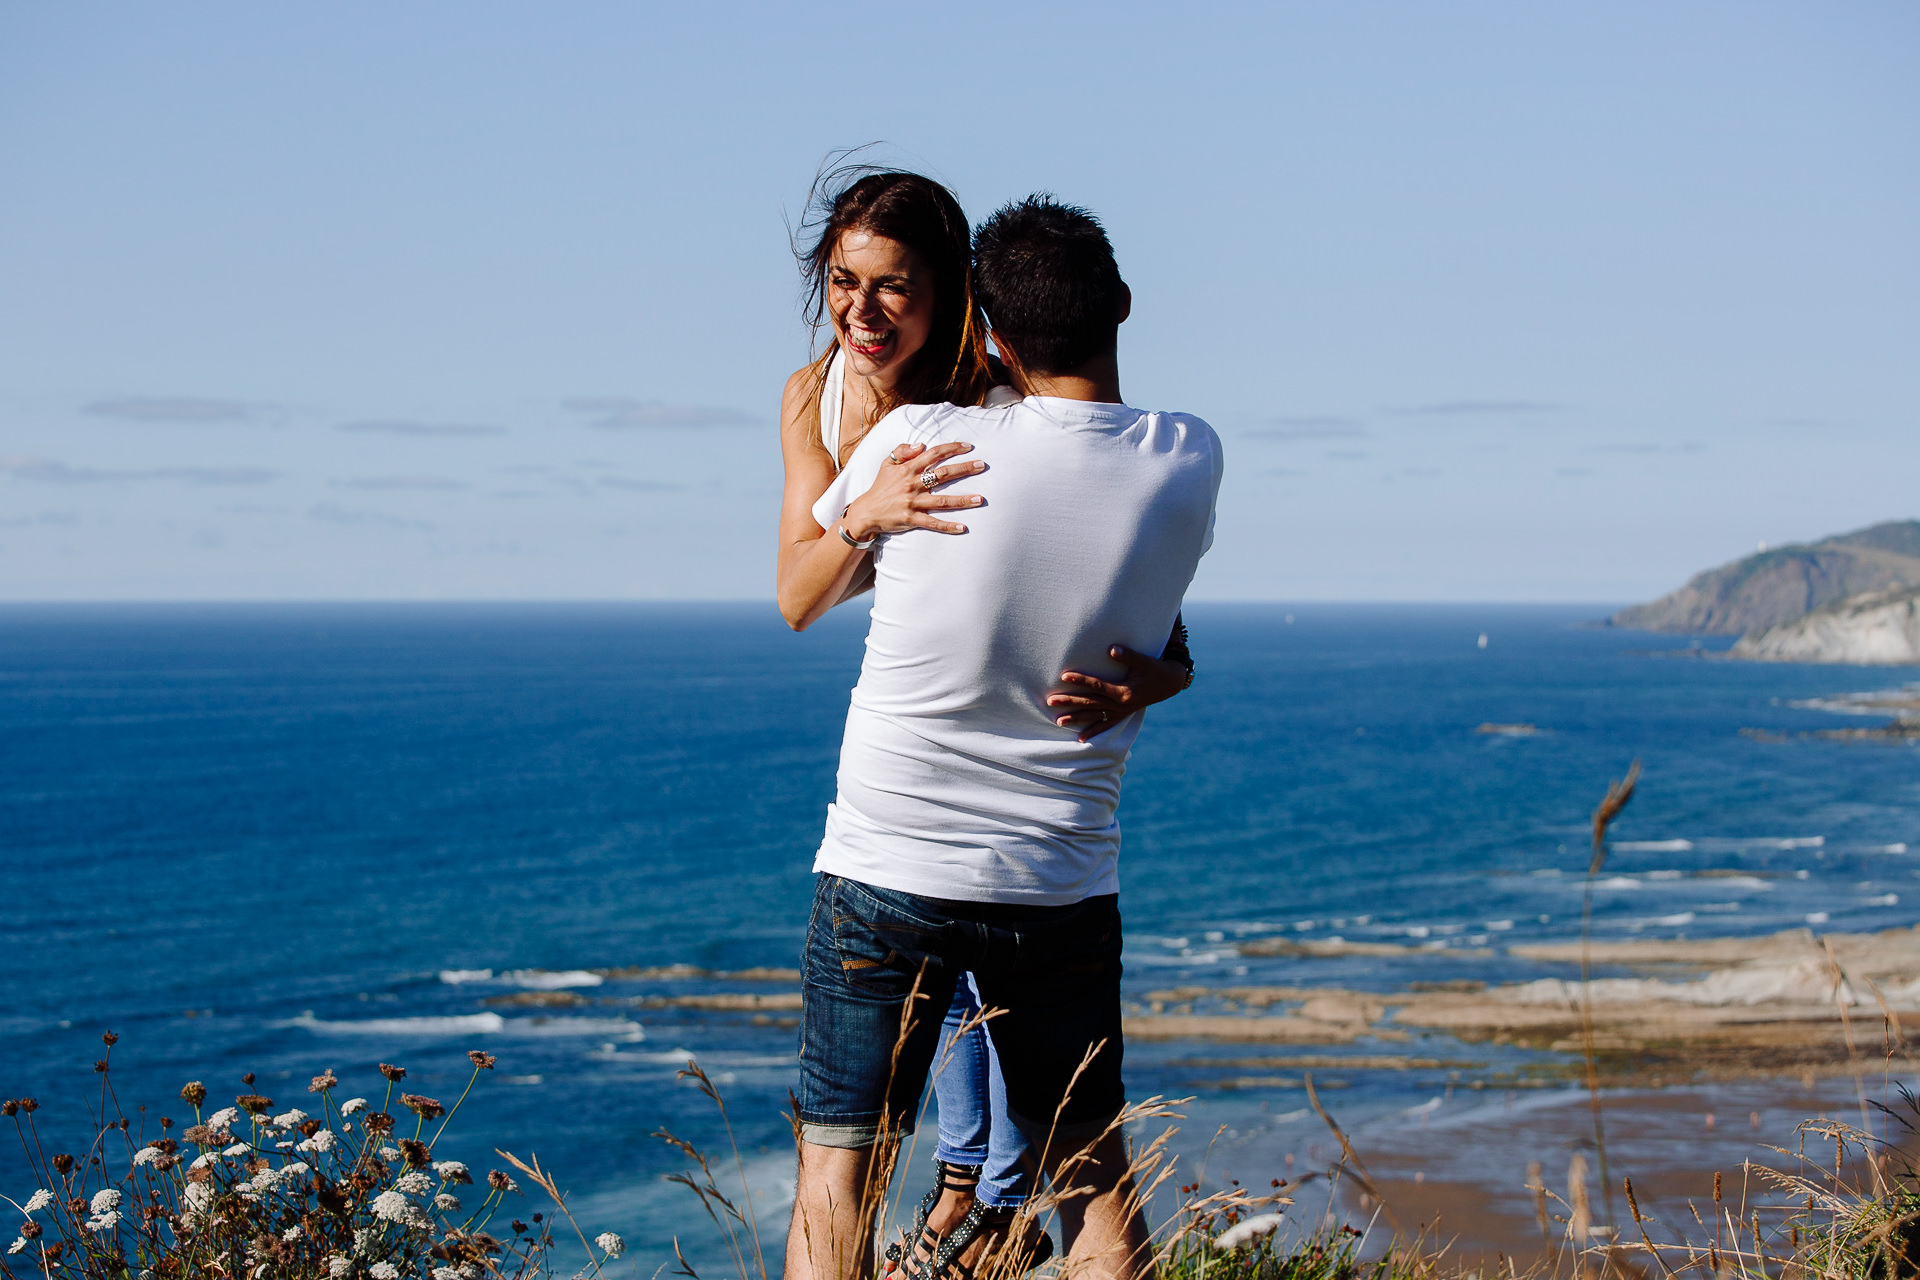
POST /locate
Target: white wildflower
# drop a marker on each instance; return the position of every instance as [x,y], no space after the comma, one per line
[199,1196]
[384,1271]
[610,1244]
[353,1106]
[347,1127]
[238,1149]
[339,1265]
[1263,1224]
[290,1234]
[322,1140]
[361,1235]
[395,1207]
[446,1203]
[146,1155]
[295,1169]
[290,1119]
[18,1246]
[222,1118]
[452,1171]
[285,1145]
[39,1200]
[103,1201]
[413,1183]
[446,1273]
[201,1161]
[389,1154]
[104,1221]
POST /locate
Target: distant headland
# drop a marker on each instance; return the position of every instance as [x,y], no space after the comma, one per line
[1852,598]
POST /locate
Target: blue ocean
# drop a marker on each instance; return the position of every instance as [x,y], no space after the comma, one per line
[277,839]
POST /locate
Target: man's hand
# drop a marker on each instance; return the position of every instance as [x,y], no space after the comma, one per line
[1094,705]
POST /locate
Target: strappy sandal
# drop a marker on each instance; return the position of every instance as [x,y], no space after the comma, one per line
[937,1257]
[947,1177]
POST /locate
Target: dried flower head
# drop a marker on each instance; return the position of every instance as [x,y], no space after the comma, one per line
[193,1093]
[254,1103]
[393,1074]
[323,1082]
[453,1171]
[377,1122]
[484,1061]
[63,1164]
[247,1079]
[499,1181]
[11,1107]
[424,1107]
[31,1229]
[110,1039]
[415,1153]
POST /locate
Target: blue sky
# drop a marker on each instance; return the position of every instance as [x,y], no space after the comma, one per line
[1489,301]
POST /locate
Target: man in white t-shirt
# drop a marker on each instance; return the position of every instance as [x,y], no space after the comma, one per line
[974,828]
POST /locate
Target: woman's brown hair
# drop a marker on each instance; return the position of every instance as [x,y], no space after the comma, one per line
[921,214]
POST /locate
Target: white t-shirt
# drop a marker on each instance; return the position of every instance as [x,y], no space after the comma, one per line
[954,780]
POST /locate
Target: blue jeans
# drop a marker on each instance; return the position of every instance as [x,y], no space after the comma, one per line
[974,1127]
[865,1054]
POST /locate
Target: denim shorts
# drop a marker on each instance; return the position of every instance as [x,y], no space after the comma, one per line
[1055,971]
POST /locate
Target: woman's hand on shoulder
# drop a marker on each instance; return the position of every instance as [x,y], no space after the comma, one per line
[906,493]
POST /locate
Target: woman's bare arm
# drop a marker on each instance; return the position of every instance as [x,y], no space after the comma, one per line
[817,568]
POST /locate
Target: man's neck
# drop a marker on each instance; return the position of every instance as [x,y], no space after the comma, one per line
[1098,381]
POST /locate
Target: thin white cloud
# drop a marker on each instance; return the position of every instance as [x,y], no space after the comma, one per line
[172,409]
[1475,408]
[42,518]
[333,513]
[438,484]
[639,486]
[618,412]
[49,471]
[1325,428]
[409,427]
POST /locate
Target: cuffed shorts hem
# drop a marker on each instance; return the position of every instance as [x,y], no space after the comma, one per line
[849,1137]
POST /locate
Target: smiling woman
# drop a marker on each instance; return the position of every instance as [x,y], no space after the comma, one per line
[889,276]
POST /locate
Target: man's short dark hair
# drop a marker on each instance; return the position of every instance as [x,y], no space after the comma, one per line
[1045,275]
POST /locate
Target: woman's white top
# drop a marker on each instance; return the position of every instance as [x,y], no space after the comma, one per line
[833,400]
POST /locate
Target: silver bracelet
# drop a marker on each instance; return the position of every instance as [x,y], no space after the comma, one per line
[848,538]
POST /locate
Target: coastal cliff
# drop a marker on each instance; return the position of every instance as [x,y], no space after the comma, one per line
[1782,584]
[1874,628]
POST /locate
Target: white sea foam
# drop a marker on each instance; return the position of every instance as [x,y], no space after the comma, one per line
[1664,875]
[1666,922]
[1499,926]
[1617,882]
[531,979]
[1885,900]
[1426,1108]
[1818,917]
[1896,847]
[484,1024]
[469,1024]
[551,979]
[1652,846]
[454,977]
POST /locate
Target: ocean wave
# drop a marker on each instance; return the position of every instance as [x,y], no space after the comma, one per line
[472,1024]
[1652,846]
[464,1024]
[531,979]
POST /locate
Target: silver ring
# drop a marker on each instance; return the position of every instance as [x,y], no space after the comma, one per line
[930,479]
[890,455]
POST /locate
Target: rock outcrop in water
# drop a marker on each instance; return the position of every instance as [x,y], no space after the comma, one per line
[1786,583]
[1876,627]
